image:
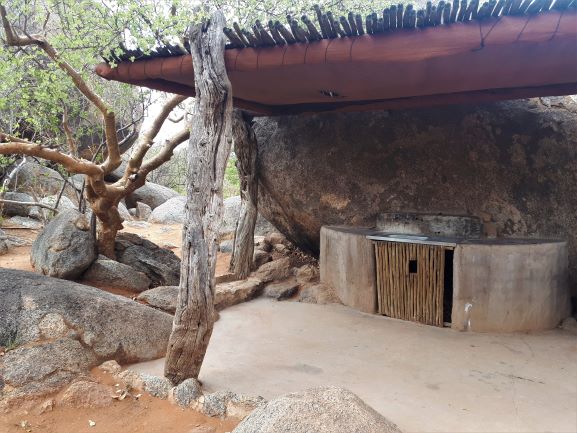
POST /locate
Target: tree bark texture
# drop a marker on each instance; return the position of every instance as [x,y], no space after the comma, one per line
[245,148]
[208,150]
[102,197]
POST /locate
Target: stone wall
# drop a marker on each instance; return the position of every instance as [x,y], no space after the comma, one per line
[513,164]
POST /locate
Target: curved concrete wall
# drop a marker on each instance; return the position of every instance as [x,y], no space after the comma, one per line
[510,287]
[498,286]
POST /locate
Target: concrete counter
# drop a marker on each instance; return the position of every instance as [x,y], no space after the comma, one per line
[499,285]
[510,286]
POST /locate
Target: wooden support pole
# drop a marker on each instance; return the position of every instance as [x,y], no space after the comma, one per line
[275,34]
[447,13]
[393,17]
[454,11]
[346,26]
[359,22]
[353,24]
[400,15]
[322,24]
[313,32]
[285,33]
[246,149]
[208,151]
[241,36]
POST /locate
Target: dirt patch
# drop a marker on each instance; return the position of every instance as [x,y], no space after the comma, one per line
[145,415]
[165,236]
[18,257]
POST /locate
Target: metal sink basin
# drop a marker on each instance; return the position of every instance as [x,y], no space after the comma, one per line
[412,237]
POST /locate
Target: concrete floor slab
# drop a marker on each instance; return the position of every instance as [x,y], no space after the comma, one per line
[424,379]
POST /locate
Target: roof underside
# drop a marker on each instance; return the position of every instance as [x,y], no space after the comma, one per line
[485,59]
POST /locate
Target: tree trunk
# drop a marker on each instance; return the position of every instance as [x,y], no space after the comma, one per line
[245,147]
[110,222]
[208,151]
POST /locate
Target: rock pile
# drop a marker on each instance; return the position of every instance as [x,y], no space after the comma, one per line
[286,272]
[187,395]
[160,265]
[110,273]
[66,249]
[53,330]
[275,277]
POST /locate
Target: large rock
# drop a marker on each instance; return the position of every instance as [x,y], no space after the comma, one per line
[225,294]
[8,241]
[320,410]
[65,248]
[161,266]
[143,211]
[259,258]
[162,297]
[282,290]
[117,173]
[13,209]
[40,181]
[37,369]
[123,211]
[231,211]
[25,222]
[226,246]
[276,270]
[170,212]
[87,394]
[228,404]
[151,194]
[513,164]
[110,273]
[64,204]
[235,292]
[156,386]
[61,329]
[319,294]
[3,243]
[35,307]
[185,393]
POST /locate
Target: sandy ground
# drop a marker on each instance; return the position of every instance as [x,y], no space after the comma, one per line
[147,415]
[423,378]
[18,257]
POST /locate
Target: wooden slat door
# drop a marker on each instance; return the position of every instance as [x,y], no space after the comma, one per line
[410,281]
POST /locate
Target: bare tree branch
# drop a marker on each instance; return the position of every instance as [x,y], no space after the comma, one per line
[28,203]
[113,159]
[103,197]
[166,152]
[69,137]
[146,138]
[15,145]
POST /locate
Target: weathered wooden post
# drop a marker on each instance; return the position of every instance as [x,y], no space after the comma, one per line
[245,147]
[208,150]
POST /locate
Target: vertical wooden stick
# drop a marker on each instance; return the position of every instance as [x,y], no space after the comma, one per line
[208,151]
